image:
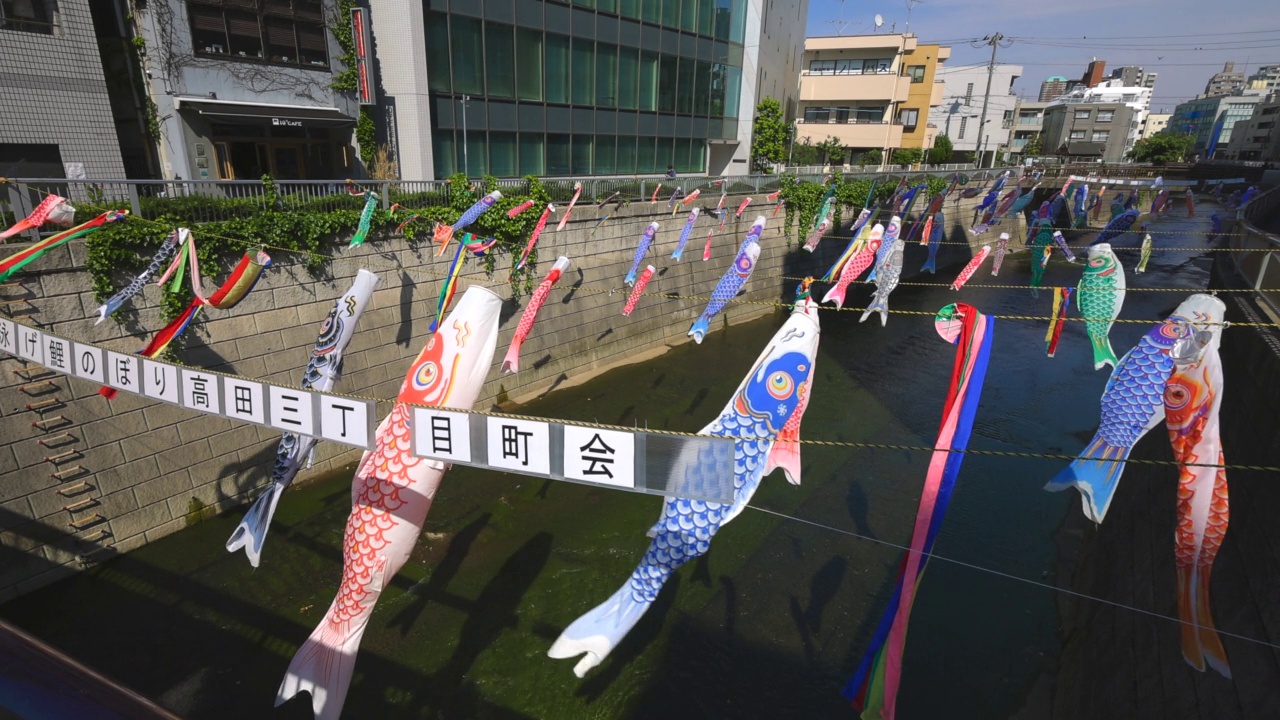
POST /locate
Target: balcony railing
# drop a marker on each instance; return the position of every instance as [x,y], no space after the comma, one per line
[850,121]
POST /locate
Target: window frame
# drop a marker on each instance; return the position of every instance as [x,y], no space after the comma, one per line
[916,73]
[265,14]
[33,25]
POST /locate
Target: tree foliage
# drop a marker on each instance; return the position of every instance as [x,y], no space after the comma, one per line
[832,150]
[804,153]
[1034,146]
[769,135]
[1162,148]
[941,151]
[871,157]
[907,156]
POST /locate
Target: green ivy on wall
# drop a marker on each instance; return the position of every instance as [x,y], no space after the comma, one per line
[803,200]
[123,249]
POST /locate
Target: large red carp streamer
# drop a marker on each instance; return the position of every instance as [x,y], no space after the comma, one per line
[874,686]
[20,259]
[511,363]
[390,496]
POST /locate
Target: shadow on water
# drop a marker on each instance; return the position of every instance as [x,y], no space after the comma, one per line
[437,585]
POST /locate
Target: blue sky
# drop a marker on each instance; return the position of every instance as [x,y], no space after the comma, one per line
[1060,38]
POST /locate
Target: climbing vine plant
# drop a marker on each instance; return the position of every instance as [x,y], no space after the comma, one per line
[802,200]
[122,249]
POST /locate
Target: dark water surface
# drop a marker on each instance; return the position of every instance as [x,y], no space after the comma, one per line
[770,624]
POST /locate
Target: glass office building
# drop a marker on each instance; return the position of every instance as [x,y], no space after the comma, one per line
[596,87]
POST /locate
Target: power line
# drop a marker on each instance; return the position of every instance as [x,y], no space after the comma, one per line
[1009,576]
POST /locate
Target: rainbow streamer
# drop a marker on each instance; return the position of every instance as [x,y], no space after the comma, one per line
[1057,319]
[873,688]
[242,279]
[450,287]
[20,259]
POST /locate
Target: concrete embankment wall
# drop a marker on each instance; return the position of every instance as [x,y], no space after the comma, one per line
[85,478]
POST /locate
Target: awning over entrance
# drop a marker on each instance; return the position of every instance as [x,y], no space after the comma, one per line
[271,115]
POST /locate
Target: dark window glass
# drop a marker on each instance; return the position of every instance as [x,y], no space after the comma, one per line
[438,51]
[559,151]
[718,79]
[582,154]
[651,11]
[689,16]
[707,17]
[629,8]
[500,59]
[609,6]
[628,77]
[698,156]
[275,31]
[585,3]
[605,145]
[724,13]
[627,155]
[908,119]
[648,80]
[34,16]
[557,68]
[682,155]
[701,87]
[733,86]
[583,71]
[666,152]
[468,55]
[606,75]
[646,156]
[916,73]
[476,160]
[531,148]
[502,154]
[443,151]
[684,85]
[671,13]
[528,64]
[667,83]
[738,28]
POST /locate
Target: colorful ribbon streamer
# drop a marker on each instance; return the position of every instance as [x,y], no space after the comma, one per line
[873,688]
[449,288]
[1058,318]
[20,259]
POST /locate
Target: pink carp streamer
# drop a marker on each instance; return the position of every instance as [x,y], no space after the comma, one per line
[706,251]
[1002,247]
[654,199]
[511,363]
[743,207]
[519,208]
[1058,318]
[971,268]
[855,266]
[638,290]
[1191,203]
[577,190]
[52,209]
[533,239]
[691,197]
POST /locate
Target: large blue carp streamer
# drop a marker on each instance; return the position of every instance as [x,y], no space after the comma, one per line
[1133,402]
[734,279]
[771,397]
[642,249]
[320,375]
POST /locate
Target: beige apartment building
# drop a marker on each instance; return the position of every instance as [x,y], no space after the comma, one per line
[859,89]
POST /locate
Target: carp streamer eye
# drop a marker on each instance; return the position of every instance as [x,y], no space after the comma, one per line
[780,385]
[1176,396]
[426,376]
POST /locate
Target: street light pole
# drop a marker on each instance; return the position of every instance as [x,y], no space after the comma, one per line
[994,42]
[466,161]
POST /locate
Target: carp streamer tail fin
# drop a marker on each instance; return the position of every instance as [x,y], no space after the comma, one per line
[1096,475]
[251,533]
[700,329]
[1102,353]
[598,632]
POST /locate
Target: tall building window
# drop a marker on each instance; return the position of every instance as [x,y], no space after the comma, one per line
[916,73]
[557,75]
[34,16]
[1106,115]
[1101,135]
[528,64]
[1077,135]
[968,96]
[500,60]
[964,121]
[288,32]
[1082,114]
[438,51]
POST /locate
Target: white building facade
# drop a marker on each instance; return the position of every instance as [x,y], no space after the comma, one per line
[960,113]
[1137,99]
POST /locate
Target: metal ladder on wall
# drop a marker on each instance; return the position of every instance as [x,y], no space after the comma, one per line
[44,400]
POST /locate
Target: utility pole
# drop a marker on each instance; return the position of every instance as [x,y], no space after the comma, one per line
[994,42]
[466,161]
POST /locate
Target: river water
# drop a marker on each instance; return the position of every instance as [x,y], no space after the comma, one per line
[770,624]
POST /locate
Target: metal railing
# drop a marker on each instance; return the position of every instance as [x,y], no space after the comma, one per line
[1261,268]
[196,202]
